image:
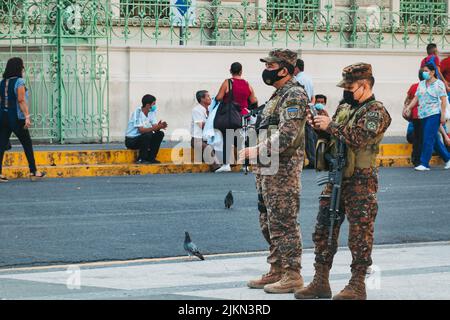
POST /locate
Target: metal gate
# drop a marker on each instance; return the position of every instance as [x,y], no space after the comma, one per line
[64,45]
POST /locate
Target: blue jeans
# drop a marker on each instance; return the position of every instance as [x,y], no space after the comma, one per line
[430,141]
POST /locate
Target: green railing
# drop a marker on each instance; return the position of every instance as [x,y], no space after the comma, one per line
[65,43]
[424,11]
[66,76]
[280,23]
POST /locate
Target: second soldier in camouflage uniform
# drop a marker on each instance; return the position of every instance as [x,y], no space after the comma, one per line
[279,192]
[360,121]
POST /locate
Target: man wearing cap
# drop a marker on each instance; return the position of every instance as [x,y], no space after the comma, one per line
[284,118]
[360,122]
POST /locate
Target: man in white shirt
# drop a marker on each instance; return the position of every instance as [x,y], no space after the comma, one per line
[144,131]
[310,135]
[199,116]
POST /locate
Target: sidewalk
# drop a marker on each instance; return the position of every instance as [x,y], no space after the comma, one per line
[418,271]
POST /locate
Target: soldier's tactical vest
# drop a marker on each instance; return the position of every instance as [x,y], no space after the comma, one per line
[362,158]
[271,120]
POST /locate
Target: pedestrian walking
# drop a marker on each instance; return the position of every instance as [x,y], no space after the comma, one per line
[431,96]
[15,115]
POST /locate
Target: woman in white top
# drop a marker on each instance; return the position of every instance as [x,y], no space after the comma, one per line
[432,98]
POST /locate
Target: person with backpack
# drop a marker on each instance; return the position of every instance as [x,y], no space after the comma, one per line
[235,95]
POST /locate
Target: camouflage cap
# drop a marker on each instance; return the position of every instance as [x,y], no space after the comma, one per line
[281,55]
[355,72]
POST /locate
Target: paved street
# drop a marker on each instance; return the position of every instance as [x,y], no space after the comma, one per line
[412,271]
[120,218]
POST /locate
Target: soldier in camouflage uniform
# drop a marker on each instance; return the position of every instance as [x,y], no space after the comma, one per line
[279,192]
[360,121]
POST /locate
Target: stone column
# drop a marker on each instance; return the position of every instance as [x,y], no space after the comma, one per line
[262,10]
[395,9]
[115,8]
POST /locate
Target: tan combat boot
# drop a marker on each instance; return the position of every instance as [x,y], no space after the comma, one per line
[275,273]
[319,287]
[289,283]
[356,288]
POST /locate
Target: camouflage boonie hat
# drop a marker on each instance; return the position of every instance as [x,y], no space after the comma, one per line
[355,72]
[281,55]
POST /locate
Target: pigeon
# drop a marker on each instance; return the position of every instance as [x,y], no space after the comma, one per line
[191,248]
[229,200]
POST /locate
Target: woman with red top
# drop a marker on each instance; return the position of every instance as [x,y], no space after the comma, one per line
[243,95]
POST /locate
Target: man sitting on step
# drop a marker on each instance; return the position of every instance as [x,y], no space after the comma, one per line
[144,131]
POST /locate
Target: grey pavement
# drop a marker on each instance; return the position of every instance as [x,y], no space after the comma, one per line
[412,271]
[120,218]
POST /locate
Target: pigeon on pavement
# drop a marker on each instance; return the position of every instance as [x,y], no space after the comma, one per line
[229,200]
[191,248]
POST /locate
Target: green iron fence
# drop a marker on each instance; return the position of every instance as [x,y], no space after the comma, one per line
[65,43]
[299,23]
[66,76]
[424,11]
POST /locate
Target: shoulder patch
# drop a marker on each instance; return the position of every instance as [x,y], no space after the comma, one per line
[293,113]
[372,120]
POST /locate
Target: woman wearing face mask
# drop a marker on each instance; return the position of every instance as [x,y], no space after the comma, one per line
[431,96]
[15,116]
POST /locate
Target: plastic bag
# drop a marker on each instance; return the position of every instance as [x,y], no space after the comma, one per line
[212,136]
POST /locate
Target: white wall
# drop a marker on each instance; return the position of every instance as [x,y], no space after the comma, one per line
[174,74]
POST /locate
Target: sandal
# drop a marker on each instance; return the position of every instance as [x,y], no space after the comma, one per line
[3,178]
[34,177]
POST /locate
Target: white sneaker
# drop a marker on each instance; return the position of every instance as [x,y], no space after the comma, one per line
[224,168]
[421,168]
[447,165]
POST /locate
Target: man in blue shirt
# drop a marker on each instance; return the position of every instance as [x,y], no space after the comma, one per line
[144,132]
[310,134]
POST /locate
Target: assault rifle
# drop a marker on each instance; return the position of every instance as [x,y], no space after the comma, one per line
[254,110]
[334,177]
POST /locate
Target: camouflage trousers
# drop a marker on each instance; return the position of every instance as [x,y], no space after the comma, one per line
[279,204]
[359,204]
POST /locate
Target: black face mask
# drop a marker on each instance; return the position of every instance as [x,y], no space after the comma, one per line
[349,98]
[271,76]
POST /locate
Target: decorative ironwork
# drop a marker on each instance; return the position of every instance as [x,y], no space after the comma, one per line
[66,76]
[292,10]
[65,43]
[430,12]
[282,23]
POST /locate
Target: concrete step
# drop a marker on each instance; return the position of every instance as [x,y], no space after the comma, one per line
[403,161]
[116,162]
[397,149]
[70,171]
[117,156]
[86,157]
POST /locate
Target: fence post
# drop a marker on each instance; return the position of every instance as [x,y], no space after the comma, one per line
[59,78]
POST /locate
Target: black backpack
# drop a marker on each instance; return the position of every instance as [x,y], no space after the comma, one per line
[228,115]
